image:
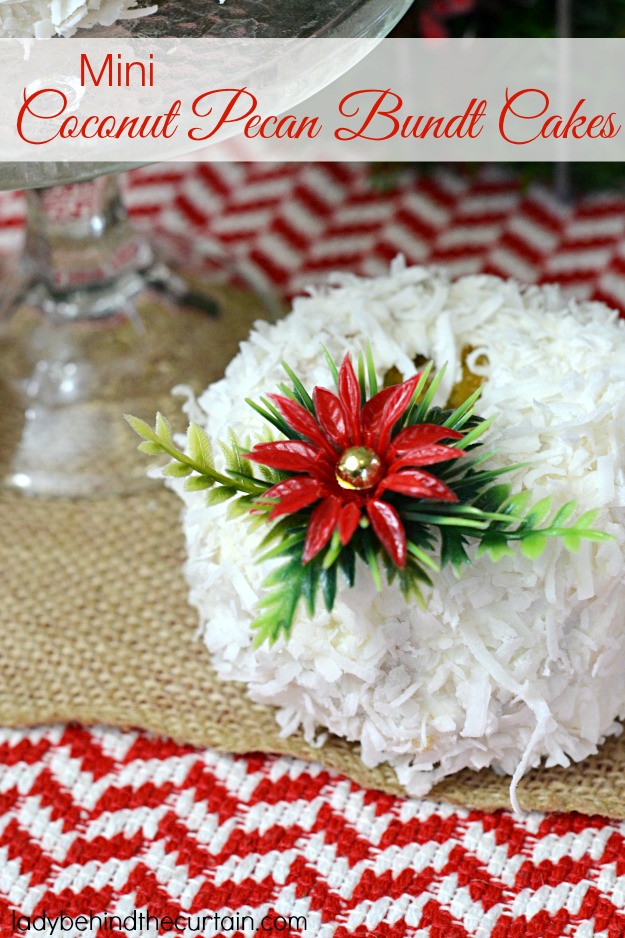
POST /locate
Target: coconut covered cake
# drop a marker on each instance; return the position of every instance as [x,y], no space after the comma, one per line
[503,657]
[43,19]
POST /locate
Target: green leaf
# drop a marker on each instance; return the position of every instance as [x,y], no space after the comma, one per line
[152,449]
[198,483]
[333,550]
[423,557]
[477,480]
[328,586]
[537,513]
[268,475]
[347,565]
[563,514]
[199,446]
[310,582]
[304,397]
[256,519]
[410,416]
[444,520]
[409,584]
[462,413]
[571,541]
[229,454]
[453,549]
[372,560]
[589,534]
[278,529]
[277,577]
[516,506]
[479,430]
[142,428]
[493,498]
[241,506]
[373,381]
[288,392]
[163,429]
[533,545]
[273,417]
[243,465]
[417,412]
[282,547]
[278,607]
[496,546]
[331,365]
[177,470]
[586,519]
[249,484]
[219,494]
[428,510]
[390,569]
[362,377]
[415,569]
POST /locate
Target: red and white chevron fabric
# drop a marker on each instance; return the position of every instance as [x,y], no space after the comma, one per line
[289,225]
[101,828]
[107,823]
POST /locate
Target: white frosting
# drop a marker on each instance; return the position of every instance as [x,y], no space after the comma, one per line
[42,19]
[512,662]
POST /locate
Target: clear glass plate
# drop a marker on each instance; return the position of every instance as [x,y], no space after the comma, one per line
[94,322]
[266,19]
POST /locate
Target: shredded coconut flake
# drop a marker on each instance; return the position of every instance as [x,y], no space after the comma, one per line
[514,662]
[43,19]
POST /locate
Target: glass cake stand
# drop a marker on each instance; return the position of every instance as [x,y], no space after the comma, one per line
[94,322]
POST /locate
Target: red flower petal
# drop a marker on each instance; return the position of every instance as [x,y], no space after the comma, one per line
[294,455]
[349,393]
[320,527]
[389,530]
[383,410]
[421,434]
[300,419]
[332,417]
[425,456]
[418,485]
[394,408]
[348,521]
[294,494]
[371,413]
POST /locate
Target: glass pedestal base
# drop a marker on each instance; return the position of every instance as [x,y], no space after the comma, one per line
[94,324]
[64,387]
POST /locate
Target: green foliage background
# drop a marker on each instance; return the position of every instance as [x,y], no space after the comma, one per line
[538,18]
[535,18]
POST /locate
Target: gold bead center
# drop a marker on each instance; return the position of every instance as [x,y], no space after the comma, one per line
[358,468]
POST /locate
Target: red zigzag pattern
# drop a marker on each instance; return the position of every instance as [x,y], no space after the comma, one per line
[104,821]
[288,226]
[100,820]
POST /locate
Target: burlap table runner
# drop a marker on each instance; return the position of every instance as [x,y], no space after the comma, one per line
[95,627]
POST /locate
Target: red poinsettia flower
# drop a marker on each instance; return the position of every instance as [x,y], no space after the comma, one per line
[350,458]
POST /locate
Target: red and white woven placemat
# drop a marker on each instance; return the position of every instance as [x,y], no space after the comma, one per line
[102,821]
[99,828]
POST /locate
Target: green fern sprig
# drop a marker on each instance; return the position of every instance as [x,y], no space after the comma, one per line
[487,514]
[196,463]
